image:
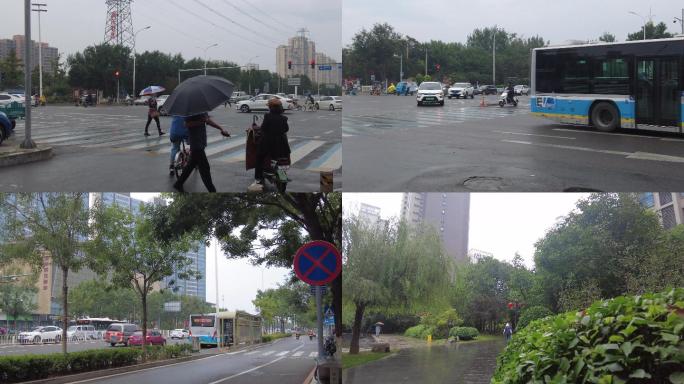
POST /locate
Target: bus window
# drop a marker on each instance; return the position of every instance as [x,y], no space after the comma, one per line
[576,75]
[612,77]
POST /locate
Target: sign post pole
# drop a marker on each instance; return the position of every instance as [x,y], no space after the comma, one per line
[319,321]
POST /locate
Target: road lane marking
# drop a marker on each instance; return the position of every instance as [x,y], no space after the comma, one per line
[252,352]
[313,354]
[536,135]
[283,353]
[605,133]
[629,155]
[268,353]
[297,354]
[253,369]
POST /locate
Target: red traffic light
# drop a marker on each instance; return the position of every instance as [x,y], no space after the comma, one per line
[116,74]
[289,64]
[438,67]
[313,64]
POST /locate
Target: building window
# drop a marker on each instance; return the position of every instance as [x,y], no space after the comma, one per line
[646,199]
[668,214]
[665,198]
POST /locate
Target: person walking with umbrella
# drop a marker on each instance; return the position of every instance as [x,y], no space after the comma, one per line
[378,328]
[194,98]
[152,112]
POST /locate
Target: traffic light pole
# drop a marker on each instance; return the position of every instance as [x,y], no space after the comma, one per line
[28,142]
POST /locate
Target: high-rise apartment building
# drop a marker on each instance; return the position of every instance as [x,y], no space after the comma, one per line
[369,214]
[448,213]
[17,45]
[668,205]
[301,51]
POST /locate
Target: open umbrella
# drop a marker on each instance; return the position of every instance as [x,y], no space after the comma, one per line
[198,95]
[152,89]
[379,323]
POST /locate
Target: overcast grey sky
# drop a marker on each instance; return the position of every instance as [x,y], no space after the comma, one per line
[558,21]
[72,25]
[500,223]
[239,280]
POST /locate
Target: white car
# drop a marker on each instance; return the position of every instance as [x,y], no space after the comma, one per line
[39,335]
[142,100]
[521,90]
[81,332]
[430,92]
[179,334]
[260,103]
[330,103]
[160,104]
[463,90]
[6,98]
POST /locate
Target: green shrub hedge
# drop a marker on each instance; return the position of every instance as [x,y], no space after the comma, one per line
[274,336]
[464,333]
[420,331]
[634,339]
[532,313]
[14,369]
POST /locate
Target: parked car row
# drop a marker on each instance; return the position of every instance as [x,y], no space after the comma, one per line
[38,335]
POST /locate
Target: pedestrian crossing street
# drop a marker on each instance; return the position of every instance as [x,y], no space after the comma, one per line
[289,354]
[453,112]
[114,131]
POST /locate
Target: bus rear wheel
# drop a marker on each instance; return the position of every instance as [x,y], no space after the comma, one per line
[605,117]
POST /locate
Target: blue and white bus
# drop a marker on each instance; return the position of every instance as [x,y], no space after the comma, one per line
[637,84]
[232,327]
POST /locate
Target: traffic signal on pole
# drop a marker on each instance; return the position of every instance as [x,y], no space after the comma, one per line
[313,64]
[438,67]
[116,74]
[289,64]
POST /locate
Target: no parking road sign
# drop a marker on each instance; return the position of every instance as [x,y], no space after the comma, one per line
[317,262]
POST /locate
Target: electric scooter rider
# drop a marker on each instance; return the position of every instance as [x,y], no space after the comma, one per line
[273,143]
[511,93]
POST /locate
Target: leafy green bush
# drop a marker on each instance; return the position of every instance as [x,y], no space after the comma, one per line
[532,313]
[274,336]
[15,369]
[441,322]
[635,339]
[464,333]
[420,331]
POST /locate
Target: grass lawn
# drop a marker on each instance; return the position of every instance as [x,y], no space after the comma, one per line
[349,361]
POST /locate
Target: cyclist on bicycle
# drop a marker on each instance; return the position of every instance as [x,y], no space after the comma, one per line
[310,103]
[179,132]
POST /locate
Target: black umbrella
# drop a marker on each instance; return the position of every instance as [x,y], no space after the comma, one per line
[198,95]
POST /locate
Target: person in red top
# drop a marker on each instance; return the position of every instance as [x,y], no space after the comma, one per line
[152,113]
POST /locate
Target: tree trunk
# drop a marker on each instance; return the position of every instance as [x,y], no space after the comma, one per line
[356,329]
[144,324]
[65,308]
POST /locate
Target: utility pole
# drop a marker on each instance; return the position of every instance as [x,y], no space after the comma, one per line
[426,73]
[135,35]
[494,57]
[27,143]
[681,21]
[40,10]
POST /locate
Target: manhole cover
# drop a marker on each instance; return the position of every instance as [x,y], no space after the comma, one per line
[483,183]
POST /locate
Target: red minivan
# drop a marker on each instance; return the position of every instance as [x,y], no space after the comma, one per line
[119,333]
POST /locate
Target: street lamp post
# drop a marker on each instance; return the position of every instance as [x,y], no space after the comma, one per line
[135,35]
[249,73]
[205,57]
[40,10]
[494,56]
[681,21]
[643,18]
[28,142]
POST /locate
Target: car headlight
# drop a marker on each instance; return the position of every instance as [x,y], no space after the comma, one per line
[441,94]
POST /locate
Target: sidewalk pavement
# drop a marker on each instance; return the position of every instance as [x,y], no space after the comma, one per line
[12,154]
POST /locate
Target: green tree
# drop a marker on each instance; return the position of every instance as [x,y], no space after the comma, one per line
[52,223]
[11,71]
[607,37]
[653,31]
[289,301]
[371,50]
[237,221]
[608,246]
[128,251]
[17,298]
[94,68]
[393,268]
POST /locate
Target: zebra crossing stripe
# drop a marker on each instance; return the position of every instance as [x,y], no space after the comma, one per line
[216,149]
[301,151]
[331,160]
[283,353]
[267,353]
[313,354]
[238,156]
[297,354]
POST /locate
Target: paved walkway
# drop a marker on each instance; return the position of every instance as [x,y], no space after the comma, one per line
[471,363]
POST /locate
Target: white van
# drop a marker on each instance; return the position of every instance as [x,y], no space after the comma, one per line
[81,332]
